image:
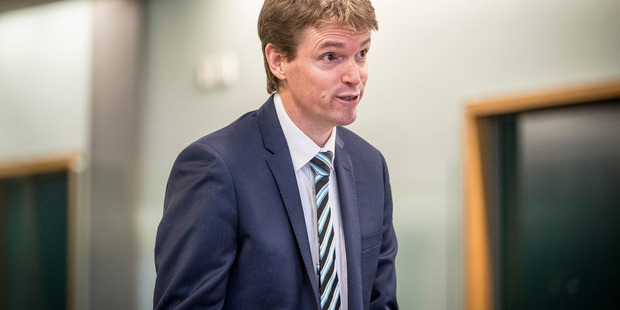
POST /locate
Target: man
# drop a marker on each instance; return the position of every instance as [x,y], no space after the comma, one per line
[284,209]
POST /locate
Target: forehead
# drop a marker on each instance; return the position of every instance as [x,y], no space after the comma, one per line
[331,35]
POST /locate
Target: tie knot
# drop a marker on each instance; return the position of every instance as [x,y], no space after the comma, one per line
[322,163]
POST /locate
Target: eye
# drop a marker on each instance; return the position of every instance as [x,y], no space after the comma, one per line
[328,57]
[362,54]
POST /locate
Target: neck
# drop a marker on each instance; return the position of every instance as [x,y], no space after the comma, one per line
[318,134]
[318,138]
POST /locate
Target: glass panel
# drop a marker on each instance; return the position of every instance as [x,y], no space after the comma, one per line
[561,210]
[33,217]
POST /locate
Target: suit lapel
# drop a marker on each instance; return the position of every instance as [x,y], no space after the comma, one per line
[283,171]
[349,211]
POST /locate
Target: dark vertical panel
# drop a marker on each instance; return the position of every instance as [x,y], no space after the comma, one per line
[569,207]
[34,242]
[510,269]
[52,200]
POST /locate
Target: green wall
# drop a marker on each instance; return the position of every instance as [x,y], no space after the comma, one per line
[45,79]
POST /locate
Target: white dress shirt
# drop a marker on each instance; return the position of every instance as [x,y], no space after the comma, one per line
[302,150]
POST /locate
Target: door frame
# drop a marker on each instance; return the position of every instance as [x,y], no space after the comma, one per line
[70,163]
[478,273]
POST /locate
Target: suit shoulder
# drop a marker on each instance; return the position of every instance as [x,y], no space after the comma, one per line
[353,141]
[237,133]
[227,142]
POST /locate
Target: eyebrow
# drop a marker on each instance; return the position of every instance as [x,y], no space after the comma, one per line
[339,44]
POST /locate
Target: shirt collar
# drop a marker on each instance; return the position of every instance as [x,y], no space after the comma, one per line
[301,147]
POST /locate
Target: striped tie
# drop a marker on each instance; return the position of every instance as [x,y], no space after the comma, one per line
[329,288]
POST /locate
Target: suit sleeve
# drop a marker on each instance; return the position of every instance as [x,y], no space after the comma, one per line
[196,239]
[384,288]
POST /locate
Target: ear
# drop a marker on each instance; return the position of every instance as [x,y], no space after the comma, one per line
[276,60]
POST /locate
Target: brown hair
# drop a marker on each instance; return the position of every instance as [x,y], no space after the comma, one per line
[281,21]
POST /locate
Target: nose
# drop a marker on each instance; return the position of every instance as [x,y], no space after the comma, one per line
[351,72]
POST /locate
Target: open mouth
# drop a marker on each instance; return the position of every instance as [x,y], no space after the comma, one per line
[348,98]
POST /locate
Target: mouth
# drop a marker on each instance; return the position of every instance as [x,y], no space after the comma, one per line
[349,98]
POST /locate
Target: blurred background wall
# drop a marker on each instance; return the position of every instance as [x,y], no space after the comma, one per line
[45,70]
[427,60]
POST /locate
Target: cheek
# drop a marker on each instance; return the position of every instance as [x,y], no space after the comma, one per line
[364,75]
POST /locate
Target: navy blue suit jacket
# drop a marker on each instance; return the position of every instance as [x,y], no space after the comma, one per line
[233,234]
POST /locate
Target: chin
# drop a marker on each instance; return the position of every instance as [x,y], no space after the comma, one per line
[348,121]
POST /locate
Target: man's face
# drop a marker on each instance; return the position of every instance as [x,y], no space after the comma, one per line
[325,81]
